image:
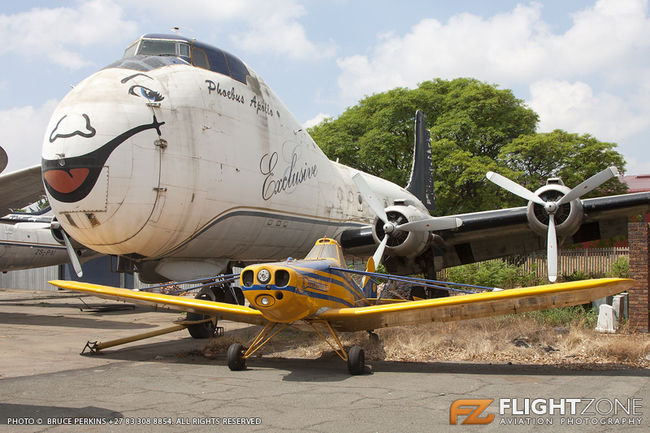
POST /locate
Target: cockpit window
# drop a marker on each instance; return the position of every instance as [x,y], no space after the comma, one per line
[199,58]
[324,251]
[237,68]
[184,50]
[157,47]
[130,50]
[200,55]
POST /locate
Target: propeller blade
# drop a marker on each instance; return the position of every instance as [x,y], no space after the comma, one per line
[374,261]
[514,188]
[379,254]
[588,185]
[73,255]
[370,198]
[431,224]
[551,252]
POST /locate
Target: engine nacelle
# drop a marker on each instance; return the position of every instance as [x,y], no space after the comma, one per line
[57,233]
[402,243]
[568,217]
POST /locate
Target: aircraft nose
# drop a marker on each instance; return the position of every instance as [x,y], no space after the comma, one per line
[71,125]
[94,138]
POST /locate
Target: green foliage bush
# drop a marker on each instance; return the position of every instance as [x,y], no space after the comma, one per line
[620,268]
[498,273]
[494,273]
[577,315]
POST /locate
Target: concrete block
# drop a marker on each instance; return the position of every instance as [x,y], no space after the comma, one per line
[606,319]
[620,306]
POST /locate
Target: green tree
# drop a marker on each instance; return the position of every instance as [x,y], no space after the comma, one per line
[475,127]
[572,157]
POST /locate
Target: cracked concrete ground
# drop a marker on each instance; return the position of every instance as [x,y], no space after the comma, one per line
[165,380]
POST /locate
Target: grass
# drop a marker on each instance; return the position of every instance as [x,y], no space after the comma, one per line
[566,316]
[562,337]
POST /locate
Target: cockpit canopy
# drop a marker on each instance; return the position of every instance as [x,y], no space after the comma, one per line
[327,249]
[193,52]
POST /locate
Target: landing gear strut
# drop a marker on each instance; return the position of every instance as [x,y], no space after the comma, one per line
[355,358]
[222,292]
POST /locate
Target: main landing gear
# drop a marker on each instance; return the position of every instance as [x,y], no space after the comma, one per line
[356,360]
[223,292]
[355,357]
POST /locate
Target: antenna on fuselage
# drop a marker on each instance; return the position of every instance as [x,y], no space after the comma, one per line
[177,30]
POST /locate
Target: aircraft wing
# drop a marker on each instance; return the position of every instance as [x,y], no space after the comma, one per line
[481,237]
[20,188]
[475,305]
[237,313]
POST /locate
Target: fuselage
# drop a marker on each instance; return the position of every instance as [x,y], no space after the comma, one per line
[28,245]
[160,157]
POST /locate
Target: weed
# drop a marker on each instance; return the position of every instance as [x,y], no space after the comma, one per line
[620,268]
[557,337]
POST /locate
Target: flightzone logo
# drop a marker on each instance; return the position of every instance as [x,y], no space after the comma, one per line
[548,411]
[471,410]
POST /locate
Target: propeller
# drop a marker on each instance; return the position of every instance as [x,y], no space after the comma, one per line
[74,259]
[551,207]
[425,225]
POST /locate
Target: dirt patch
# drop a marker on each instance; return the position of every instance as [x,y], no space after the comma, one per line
[509,339]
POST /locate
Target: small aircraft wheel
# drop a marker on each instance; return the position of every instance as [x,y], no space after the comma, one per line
[356,360]
[417,292]
[236,361]
[206,329]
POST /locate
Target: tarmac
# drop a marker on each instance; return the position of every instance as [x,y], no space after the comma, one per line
[165,384]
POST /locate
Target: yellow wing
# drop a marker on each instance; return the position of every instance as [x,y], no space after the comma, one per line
[474,305]
[237,313]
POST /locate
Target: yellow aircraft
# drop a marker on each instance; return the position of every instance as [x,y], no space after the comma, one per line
[319,291]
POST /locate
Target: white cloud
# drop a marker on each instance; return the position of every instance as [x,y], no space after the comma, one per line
[611,38]
[315,120]
[58,33]
[634,166]
[281,32]
[259,25]
[576,108]
[467,45]
[23,129]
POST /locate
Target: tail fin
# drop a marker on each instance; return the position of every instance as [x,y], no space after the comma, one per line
[3,159]
[421,181]
[369,286]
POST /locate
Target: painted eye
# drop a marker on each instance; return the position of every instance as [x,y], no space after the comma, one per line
[148,94]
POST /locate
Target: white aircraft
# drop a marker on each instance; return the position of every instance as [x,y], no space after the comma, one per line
[180,160]
[30,239]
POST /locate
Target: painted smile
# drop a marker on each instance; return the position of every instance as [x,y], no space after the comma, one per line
[71,179]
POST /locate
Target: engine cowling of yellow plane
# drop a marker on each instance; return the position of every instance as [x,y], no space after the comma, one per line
[276,292]
[402,243]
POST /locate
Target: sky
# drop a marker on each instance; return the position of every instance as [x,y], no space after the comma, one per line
[582,65]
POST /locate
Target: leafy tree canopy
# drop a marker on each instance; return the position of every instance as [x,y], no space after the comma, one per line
[475,127]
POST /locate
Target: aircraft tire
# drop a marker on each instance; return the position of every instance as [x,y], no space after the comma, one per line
[236,361]
[418,292]
[207,329]
[356,360]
